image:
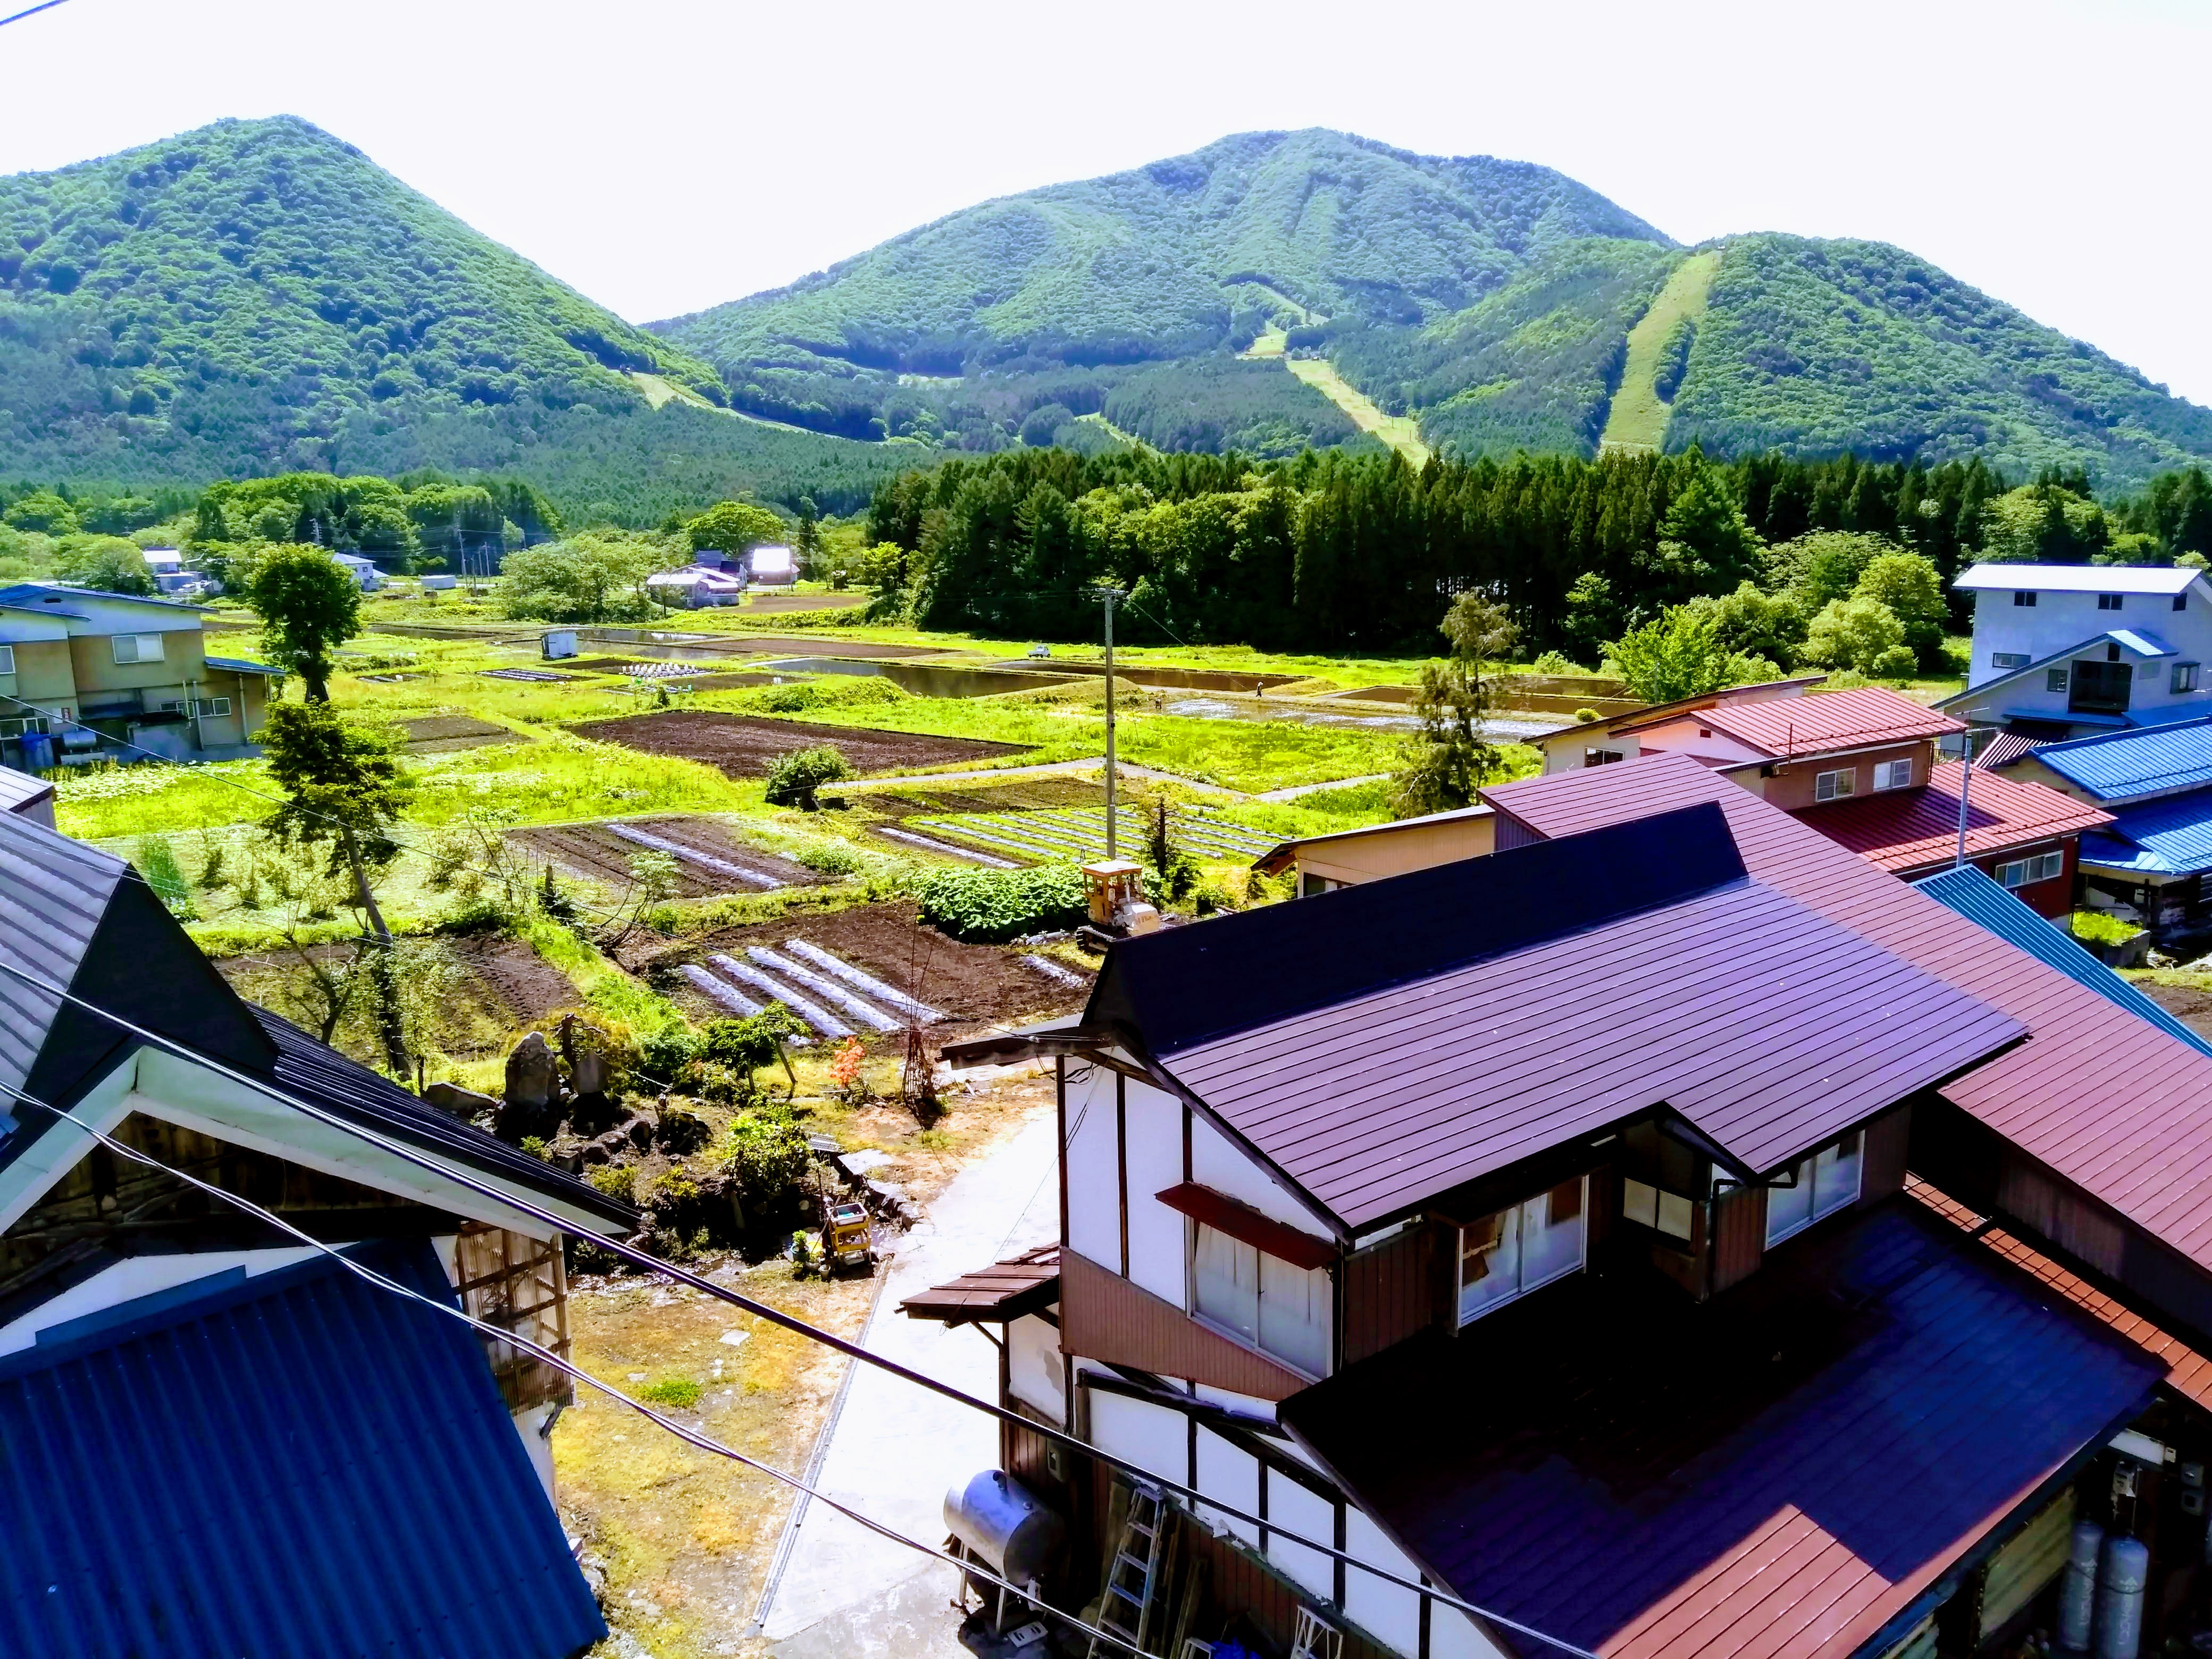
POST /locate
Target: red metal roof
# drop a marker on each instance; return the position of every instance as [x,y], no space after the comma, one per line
[2106,1100]
[1912,831]
[1773,1474]
[1823,722]
[993,1295]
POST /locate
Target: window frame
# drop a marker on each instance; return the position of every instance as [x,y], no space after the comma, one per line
[6,659]
[1596,756]
[2021,597]
[1806,1171]
[2111,601]
[1523,1286]
[138,654]
[2009,659]
[2032,869]
[1256,1340]
[2185,676]
[1886,774]
[1844,791]
[2056,679]
[2181,600]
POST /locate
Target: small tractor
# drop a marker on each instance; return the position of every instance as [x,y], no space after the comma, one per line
[847,1240]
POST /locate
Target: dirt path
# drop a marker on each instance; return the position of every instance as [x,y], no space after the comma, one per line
[1401,432]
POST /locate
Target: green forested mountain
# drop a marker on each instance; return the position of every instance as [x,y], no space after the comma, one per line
[258,296]
[1492,300]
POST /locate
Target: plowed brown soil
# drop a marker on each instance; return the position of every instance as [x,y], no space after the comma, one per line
[746,746]
[595,851]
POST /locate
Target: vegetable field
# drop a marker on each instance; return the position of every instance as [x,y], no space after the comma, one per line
[1079,834]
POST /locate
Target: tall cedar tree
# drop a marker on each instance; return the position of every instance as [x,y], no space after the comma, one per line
[1453,755]
[308,606]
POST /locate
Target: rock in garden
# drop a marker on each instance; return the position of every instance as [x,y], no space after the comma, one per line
[532,1079]
[461,1102]
[591,1114]
[681,1132]
[639,1132]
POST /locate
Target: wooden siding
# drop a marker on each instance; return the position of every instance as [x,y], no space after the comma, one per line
[1739,1235]
[1396,1290]
[1881,1170]
[1104,1316]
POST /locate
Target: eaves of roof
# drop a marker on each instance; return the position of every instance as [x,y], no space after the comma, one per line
[2133,765]
[2142,644]
[1911,829]
[2166,579]
[15,595]
[2171,836]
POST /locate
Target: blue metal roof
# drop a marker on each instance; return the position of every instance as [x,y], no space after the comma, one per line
[22,591]
[241,665]
[2143,645]
[2145,761]
[1989,907]
[299,1465]
[2173,837]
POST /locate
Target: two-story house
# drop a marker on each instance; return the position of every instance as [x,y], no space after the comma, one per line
[1860,766]
[1532,1228]
[2064,650]
[86,669]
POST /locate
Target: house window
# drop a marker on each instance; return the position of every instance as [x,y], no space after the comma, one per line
[1510,1254]
[2022,872]
[1600,756]
[2007,658]
[6,659]
[2108,602]
[2184,677]
[1311,886]
[1834,786]
[2146,670]
[2024,599]
[2181,602]
[1656,1208]
[1824,1183]
[2055,680]
[204,707]
[137,647]
[1892,774]
[1278,1308]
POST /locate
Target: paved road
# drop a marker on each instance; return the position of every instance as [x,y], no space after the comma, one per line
[894,1449]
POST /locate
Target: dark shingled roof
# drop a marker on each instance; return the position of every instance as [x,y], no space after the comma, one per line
[1776,1472]
[994,1294]
[1384,1043]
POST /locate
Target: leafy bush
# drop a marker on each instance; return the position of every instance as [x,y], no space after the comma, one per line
[2096,927]
[993,906]
[829,860]
[767,1157]
[1555,662]
[1855,633]
[794,779]
[596,577]
[617,1181]
[158,864]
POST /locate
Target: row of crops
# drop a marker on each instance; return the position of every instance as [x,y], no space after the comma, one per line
[1079,833]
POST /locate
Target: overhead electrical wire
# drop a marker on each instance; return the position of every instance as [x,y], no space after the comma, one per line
[31,11]
[546,1356]
[766,1311]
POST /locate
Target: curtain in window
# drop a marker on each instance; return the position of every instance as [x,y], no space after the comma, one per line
[1490,1263]
[1294,1314]
[1836,1175]
[1789,1208]
[1225,1275]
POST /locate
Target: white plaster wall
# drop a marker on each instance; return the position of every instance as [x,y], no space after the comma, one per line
[1033,1368]
[1218,1162]
[1153,1437]
[1243,1404]
[1157,1234]
[1309,1515]
[137,1276]
[1231,1474]
[1390,1613]
[1682,738]
[1452,1635]
[1094,1222]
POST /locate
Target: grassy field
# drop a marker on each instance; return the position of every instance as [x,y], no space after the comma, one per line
[1639,417]
[1401,432]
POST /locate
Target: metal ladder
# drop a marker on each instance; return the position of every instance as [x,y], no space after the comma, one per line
[1317,1637]
[1125,1608]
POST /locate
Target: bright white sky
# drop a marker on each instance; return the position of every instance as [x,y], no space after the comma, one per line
[662,155]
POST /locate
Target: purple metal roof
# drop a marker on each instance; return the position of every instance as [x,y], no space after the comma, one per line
[1768,1027]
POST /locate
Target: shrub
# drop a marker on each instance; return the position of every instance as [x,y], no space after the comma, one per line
[993,906]
[2095,927]
[662,1056]
[158,864]
[1853,633]
[617,1180]
[1897,663]
[829,860]
[1555,662]
[792,779]
[769,1158]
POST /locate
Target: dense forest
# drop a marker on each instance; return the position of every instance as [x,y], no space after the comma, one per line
[1333,552]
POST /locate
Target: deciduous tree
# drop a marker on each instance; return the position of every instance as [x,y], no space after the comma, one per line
[309,606]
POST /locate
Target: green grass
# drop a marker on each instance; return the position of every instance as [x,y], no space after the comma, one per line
[1401,432]
[1639,415]
[2095,927]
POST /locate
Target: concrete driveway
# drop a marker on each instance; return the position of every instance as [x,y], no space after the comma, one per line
[894,1449]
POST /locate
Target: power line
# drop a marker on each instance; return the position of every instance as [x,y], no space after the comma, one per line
[537,1351]
[763,1311]
[31,12]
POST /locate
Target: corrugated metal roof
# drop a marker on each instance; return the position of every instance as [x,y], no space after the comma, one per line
[1826,720]
[2108,1101]
[2005,748]
[1773,1474]
[241,665]
[40,591]
[2170,836]
[19,789]
[1768,1027]
[2142,644]
[1909,829]
[2078,578]
[300,1466]
[53,892]
[1982,901]
[2124,765]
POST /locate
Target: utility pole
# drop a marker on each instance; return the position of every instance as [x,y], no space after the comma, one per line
[1965,776]
[1110,596]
